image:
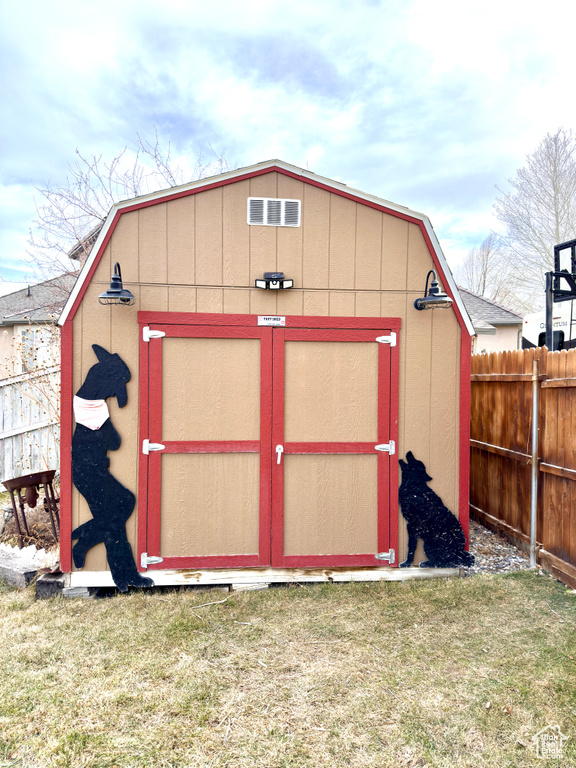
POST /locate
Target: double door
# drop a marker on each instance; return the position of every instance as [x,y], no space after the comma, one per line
[267,446]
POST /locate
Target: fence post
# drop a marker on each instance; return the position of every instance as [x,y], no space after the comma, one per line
[534,484]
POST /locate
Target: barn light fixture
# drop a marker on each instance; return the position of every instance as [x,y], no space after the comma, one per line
[274,280]
[117,294]
[433,297]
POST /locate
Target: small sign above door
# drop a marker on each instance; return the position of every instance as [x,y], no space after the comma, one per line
[271,320]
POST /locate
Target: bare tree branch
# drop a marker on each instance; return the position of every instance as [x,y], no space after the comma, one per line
[540,211]
[69,215]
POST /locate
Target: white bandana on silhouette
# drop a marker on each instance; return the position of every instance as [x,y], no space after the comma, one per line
[90,413]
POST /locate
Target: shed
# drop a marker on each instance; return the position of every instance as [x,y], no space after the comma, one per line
[263,426]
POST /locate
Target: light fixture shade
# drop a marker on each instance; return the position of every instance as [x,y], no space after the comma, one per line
[433,298]
[117,294]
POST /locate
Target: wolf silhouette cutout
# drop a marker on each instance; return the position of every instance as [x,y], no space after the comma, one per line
[111,504]
[428,519]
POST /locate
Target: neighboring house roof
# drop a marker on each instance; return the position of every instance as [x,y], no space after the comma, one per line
[486,314]
[38,303]
[239,174]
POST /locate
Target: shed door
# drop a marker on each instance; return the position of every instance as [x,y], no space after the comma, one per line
[269,451]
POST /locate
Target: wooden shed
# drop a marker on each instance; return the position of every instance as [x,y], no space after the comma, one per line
[263,426]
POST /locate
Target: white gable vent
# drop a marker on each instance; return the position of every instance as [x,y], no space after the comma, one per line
[271,212]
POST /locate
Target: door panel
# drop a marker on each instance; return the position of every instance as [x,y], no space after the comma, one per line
[221,398]
[208,488]
[329,392]
[330,505]
[201,399]
[331,401]
[211,504]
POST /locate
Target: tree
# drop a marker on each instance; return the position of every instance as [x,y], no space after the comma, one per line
[70,216]
[488,271]
[540,211]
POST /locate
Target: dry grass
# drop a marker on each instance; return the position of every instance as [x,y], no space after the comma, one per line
[382,675]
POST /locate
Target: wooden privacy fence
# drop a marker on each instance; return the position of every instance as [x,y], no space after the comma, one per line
[30,424]
[501,450]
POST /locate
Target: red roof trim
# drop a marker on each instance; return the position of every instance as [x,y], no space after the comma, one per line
[243,177]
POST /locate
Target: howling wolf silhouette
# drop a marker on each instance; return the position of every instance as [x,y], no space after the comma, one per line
[428,519]
[110,503]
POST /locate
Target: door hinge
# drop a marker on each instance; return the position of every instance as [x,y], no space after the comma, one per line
[390,447]
[148,334]
[388,339]
[146,560]
[147,446]
[389,556]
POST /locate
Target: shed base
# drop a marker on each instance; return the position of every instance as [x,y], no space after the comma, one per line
[265,576]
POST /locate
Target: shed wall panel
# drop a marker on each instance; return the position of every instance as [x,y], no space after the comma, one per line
[198,253]
[181,241]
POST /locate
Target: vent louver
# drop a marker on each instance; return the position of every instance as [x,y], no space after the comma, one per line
[274,212]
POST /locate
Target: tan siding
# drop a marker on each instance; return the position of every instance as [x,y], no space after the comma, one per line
[152,234]
[181,241]
[181,298]
[342,242]
[316,237]
[316,303]
[444,405]
[419,261]
[210,300]
[263,240]
[368,304]
[236,235]
[368,248]
[153,298]
[342,304]
[290,238]
[124,249]
[263,302]
[236,302]
[208,234]
[290,302]
[394,253]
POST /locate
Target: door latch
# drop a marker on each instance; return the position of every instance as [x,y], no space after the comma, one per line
[389,447]
[279,452]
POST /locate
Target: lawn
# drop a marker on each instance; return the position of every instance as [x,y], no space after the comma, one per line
[457,673]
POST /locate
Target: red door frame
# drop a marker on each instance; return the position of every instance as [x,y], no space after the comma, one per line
[271,525]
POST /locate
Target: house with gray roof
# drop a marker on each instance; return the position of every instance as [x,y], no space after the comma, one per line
[30,376]
[497,329]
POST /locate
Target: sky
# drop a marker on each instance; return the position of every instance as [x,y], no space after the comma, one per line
[428,105]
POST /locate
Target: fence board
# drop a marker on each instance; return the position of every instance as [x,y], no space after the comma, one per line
[501,450]
[29,428]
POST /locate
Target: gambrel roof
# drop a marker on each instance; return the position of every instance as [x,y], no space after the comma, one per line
[240,174]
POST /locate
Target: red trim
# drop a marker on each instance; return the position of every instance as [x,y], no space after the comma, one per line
[265,520]
[213,561]
[66,395]
[330,447]
[211,446]
[171,322]
[464,448]
[393,467]
[143,484]
[277,474]
[330,561]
